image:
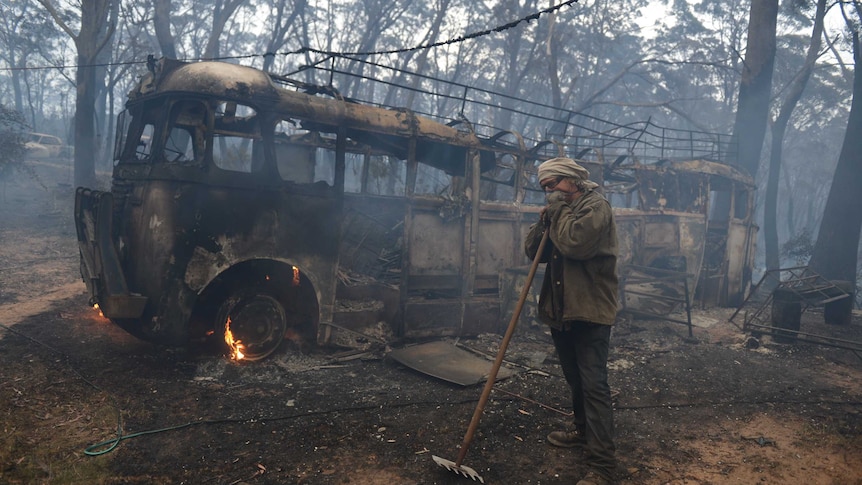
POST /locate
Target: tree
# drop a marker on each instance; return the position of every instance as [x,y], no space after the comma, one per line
[95,32]
[755,86]
[836,250]
[27,38]
[779,128]
[281,25]
[11,144]
[162,26]
[222,12]
[11,140]
[17,36]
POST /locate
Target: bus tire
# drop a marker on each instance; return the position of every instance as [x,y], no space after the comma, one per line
[256,320]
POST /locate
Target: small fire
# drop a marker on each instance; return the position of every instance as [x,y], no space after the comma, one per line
[236,346]
[295,276]
[96,307]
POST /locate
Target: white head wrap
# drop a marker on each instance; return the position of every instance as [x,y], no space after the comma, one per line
[565,167]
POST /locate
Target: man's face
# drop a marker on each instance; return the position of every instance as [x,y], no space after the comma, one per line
[559,184]
[550,184]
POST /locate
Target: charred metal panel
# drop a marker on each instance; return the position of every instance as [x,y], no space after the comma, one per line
[447,362]
[665,241]
[498,242]
[432,317]
[629,230]
[661,234]
[483,315]
[372,232]
[740,257]
[184,236]
[100,263]
[206,78]
[436,244]
[652,292]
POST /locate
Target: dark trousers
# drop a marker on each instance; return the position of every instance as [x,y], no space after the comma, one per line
[583,353]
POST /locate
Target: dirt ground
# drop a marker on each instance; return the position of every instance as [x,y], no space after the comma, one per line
[706,409]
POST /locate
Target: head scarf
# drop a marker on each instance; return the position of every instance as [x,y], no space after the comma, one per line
[566,167]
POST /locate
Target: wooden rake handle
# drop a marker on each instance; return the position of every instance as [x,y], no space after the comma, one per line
[492,376]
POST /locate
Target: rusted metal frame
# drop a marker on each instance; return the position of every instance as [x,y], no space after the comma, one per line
[518,177]
[755,289]
[756,316]
[366,161]
[688,307]
[811,284]
[519,180]
[410,185]
[340,160]
[660,317]
[798,274]
[667,275]
[812,337]
[520,194]
[657,279]
[340,164]
[748,260]
[653,295]
[469,259]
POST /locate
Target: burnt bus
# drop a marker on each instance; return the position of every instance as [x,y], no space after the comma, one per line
[247,208]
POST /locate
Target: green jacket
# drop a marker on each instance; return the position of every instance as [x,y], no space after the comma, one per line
[581,275]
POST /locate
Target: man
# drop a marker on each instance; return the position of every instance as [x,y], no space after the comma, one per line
[579,302]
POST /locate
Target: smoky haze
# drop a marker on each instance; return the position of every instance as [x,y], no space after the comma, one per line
[619,62]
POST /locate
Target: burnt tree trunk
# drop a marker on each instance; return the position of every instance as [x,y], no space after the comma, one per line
[836,249]
[222,12]
[280,26]
[96,30]
[779,128]
[162,27]
[755,87]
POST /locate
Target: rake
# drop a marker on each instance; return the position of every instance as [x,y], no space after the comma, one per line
[458,466]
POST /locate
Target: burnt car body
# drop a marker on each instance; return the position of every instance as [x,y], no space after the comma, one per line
[252,208]
[41,145]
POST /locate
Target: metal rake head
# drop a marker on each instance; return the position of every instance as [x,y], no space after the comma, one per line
[459,469]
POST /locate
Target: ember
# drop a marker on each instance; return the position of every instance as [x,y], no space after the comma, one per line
[295,276]
[236,346]
[96,307]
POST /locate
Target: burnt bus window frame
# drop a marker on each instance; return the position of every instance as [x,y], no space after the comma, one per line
[199,133]
[236,130]
[133,126]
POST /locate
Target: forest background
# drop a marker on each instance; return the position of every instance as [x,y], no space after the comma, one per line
[779,77]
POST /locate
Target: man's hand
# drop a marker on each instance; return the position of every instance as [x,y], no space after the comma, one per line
[556,196]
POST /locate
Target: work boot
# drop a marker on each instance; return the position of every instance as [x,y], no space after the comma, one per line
[593,478]
[567,439]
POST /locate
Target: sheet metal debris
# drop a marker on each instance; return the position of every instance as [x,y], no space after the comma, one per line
[447,362]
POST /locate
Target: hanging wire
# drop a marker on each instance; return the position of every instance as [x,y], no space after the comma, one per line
[306,49]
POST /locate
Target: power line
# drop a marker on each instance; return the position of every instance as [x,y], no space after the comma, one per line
[305,49]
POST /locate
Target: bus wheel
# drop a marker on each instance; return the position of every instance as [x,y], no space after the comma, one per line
[253,324]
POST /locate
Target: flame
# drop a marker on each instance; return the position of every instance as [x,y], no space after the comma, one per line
[295,276]
[236,346]
[96,307]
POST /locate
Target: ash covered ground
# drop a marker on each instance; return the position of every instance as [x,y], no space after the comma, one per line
[706,409]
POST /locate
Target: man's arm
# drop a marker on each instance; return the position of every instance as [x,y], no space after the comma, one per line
[578,233]
[531,243]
